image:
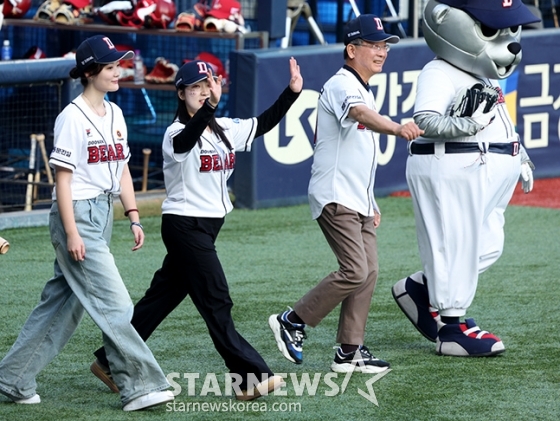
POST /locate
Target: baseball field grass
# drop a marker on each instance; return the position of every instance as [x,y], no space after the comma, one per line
[271,258]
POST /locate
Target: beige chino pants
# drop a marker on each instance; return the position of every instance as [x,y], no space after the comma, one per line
[353,240]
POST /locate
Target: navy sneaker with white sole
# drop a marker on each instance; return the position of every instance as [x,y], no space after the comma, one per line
[467,340]
[363,362]
[411,294]
[289,336]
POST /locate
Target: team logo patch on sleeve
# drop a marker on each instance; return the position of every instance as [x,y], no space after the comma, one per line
[61,152]
[351,99]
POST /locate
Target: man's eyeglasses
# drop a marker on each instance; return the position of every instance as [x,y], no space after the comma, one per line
[375,47]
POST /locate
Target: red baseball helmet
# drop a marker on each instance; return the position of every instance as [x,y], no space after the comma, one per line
[162,16]
[110,8]
[15,9]
[149,14]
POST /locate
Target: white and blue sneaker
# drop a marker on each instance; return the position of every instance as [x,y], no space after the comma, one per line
[289,336]
[467,340]
[359,361]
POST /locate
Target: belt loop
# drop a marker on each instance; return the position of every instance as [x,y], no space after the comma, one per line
[439,149]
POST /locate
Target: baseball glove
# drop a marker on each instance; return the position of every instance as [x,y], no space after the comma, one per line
[68,14]
[469,99]
[192,19]
[46,10]
[163,72]
[185,22]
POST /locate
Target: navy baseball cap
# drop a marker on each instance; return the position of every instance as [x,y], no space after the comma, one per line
[98,49]
[192,72]
[496,14]
[368,28]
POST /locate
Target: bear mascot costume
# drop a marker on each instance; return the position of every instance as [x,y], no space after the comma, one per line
[463,171]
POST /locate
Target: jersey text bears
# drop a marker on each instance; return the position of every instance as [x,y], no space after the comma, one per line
[105,153]
[209,163]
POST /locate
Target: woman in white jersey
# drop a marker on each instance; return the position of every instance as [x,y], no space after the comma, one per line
[198,158]
[90,158]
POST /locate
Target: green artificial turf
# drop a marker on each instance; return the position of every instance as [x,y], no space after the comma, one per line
[271,258]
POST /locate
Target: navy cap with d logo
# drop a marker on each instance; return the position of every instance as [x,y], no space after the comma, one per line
[98,49]
[192,72]
[369,28]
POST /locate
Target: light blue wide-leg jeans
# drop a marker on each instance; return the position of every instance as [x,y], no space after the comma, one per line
[96,286]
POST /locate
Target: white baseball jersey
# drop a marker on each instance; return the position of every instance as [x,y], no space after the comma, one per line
[459,199]
[94,148]
[345,155]
[439,84]
[196,181]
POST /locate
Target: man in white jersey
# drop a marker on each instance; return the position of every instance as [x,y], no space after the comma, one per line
[462,172]
[342,200]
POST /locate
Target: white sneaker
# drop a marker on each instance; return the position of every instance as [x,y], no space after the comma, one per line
[151,399]
[27,401]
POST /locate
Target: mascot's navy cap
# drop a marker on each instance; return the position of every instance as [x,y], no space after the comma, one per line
[368,28]
[496,14]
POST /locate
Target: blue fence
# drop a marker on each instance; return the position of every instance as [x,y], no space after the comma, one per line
[277,170]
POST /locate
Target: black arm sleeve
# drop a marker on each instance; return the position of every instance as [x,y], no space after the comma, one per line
[185,140]
[272,116]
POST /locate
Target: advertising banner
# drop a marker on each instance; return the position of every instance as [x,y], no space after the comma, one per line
[277,171]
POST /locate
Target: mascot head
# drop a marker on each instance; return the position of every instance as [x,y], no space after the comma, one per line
[480,37]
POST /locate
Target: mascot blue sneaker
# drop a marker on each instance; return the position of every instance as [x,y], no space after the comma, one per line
[411,294]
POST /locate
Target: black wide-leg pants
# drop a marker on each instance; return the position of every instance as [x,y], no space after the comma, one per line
[191,267]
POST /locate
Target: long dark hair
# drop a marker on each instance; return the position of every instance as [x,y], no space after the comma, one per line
[183,116]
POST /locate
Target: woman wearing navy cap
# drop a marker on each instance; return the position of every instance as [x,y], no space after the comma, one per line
[90,157]
[198,158]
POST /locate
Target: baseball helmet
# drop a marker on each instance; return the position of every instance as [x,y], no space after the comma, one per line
[110,8]
[15,9]
[162,15]
[148,13]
